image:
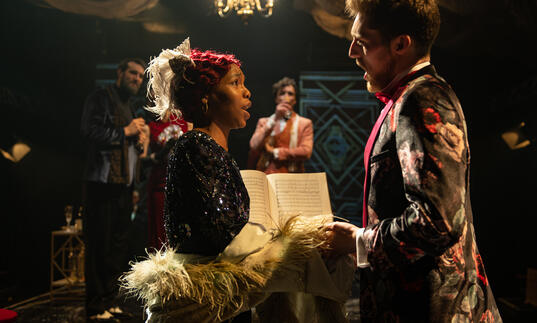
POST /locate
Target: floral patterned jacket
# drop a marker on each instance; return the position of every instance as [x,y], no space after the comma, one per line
[420,241]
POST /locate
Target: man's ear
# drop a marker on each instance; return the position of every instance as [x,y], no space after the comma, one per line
[401,44]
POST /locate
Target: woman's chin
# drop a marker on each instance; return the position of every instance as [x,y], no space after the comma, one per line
[241,124]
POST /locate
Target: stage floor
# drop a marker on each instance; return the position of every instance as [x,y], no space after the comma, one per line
[41,309]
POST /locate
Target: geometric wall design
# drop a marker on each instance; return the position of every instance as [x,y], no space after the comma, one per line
[343,114]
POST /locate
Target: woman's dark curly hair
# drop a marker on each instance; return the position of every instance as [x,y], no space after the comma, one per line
[188,90]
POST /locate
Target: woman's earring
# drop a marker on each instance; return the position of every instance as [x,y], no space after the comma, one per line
[204,106]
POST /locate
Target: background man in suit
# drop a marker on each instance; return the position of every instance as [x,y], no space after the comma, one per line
[115,139]
[282,142]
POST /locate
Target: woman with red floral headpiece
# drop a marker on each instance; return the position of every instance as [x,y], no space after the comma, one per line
[218,265]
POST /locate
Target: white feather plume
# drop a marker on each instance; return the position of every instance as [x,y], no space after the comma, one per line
[160,75]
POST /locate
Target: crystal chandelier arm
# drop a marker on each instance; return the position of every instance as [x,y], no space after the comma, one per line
[267,10]
[223,11]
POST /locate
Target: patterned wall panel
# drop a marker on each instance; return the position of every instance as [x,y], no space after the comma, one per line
[343,113]
[106,74]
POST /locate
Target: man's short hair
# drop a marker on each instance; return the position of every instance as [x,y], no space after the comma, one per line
[420,19]
[286,81]
[125,63]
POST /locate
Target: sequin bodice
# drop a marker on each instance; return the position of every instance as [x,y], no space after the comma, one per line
[206,201]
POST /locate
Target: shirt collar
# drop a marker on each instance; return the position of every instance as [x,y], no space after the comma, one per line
[386,93]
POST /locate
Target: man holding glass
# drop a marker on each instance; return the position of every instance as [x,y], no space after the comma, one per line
[282,142]
[114,139]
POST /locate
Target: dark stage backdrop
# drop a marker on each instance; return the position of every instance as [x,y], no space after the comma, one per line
[49,61]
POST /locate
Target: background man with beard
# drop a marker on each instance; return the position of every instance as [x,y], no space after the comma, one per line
[114,141]
[417,251]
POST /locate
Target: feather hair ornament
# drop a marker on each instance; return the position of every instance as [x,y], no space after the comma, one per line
[160,76]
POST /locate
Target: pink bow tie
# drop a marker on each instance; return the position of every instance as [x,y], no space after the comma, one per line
[383,97]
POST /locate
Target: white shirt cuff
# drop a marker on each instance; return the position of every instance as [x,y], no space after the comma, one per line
[275,153]
[270,123]
[361,252]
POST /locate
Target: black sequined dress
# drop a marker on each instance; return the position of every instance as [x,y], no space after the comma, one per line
[206,201]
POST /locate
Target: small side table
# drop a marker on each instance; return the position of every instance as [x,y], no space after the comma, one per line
[66,265]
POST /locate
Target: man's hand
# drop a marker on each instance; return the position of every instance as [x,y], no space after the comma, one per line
[135,127]
[268,147]
[283,110]
[143,136]
[341,237]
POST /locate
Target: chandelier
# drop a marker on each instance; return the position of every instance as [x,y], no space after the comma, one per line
[244,8]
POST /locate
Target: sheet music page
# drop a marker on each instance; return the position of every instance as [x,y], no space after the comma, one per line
[301,193]
[260,207]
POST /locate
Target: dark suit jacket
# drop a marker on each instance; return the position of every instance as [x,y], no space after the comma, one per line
[425,265]
[101,134]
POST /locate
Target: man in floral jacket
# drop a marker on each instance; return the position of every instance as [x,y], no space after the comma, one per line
[417,250]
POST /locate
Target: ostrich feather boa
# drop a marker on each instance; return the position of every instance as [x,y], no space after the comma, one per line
[174,288]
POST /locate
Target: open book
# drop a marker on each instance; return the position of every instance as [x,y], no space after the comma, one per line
[275,197]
